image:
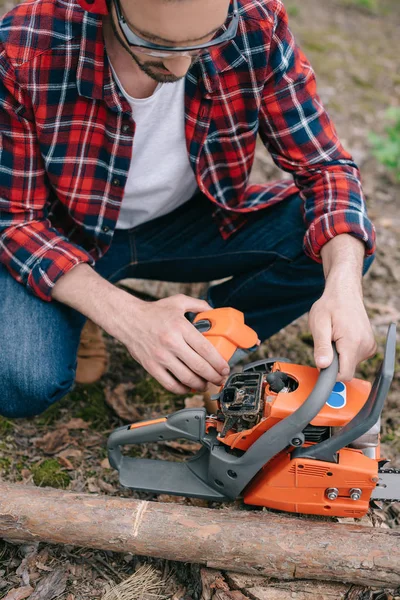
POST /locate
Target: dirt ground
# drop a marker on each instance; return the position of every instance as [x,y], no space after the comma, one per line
[355,54]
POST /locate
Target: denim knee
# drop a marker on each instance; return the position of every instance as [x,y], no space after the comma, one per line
[30,394]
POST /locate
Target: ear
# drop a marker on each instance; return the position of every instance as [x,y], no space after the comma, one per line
[94,6]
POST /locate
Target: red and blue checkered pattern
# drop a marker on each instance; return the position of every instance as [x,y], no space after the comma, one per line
[66,135]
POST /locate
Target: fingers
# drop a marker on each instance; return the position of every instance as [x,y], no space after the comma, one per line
[321,329]
[351,352]
[167,380]
[186,376]
[198,365]
[215,365]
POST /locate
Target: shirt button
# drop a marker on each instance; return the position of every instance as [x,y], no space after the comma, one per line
[116,181]
[106,229]
[126,128]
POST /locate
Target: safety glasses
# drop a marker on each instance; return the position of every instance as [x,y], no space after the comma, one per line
[228,32]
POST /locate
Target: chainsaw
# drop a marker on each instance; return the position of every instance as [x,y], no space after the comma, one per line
[284,436]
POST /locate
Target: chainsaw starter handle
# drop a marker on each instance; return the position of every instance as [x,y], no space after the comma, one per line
[226,330]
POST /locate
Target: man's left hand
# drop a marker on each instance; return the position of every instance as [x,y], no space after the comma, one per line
[339,315]
[341,318]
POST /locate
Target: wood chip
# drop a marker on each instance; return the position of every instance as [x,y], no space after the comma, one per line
[19,593]
[54,441]
[116,398]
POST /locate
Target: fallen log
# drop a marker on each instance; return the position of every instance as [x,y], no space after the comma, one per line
[253,542]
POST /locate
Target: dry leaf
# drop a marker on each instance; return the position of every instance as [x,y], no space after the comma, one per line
[92,485]
[66,463]
[51,586]
[184,447]
[54,441]
[77,423]
[196,401]
[70,597]
[25,473]
[43,567]
[105,463]
[19,593]
[220,583]
[70,453]
[116,398]
[106,487]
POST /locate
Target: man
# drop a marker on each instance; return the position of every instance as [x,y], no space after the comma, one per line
[127,137]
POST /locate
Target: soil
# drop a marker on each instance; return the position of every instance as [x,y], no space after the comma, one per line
[354,51]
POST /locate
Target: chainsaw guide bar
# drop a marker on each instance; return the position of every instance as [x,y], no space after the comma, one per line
[283,436]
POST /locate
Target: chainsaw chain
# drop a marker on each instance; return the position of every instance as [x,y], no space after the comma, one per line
[390,470]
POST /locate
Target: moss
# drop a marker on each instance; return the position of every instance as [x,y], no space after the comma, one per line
[49,473]
[91,405]
[6,426]
[52,414]
[148,391]
[389,437]
[5,465]
[307,338]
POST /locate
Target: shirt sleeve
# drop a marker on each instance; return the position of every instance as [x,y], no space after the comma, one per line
[297,131]
[34,252]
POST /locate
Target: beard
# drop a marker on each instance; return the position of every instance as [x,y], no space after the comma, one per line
[148,67]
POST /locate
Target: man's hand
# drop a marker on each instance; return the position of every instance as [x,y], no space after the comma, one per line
[340,315]
[157,334]
[169,347]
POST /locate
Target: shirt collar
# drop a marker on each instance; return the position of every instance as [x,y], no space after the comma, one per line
[94,78]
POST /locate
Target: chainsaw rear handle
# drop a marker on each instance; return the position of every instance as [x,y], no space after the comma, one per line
[188,423]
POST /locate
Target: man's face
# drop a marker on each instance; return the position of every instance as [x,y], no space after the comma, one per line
[169,23]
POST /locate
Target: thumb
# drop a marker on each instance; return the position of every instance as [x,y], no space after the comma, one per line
[323,353]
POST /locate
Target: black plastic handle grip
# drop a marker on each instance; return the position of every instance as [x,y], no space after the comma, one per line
[188,423]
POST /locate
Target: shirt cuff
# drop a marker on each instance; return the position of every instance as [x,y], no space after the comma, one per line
[328,226]
[52,265]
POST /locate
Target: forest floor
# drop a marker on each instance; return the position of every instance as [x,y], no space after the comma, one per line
[354,52]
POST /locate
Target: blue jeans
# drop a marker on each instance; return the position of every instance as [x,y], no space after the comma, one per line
[273,282]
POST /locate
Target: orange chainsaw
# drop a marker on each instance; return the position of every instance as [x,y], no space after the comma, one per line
[284,436]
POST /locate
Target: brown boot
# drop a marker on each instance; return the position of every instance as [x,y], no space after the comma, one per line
[92,354]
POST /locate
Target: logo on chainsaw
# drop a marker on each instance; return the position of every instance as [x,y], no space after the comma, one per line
[338,397]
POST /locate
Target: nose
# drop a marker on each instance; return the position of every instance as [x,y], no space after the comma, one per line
[178,65]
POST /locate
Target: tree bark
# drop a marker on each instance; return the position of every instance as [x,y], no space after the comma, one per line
[253,542]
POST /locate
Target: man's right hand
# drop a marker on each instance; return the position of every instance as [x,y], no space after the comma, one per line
[157,334]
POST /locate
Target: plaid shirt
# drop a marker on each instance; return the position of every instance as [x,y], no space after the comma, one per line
[66,135]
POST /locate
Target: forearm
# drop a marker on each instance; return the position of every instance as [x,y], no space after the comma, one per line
[87,292]
[342,259]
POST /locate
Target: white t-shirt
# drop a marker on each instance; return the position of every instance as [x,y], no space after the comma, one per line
[160,177]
